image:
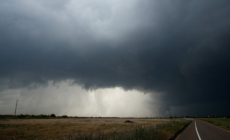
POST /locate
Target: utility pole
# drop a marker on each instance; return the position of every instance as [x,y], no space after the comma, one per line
[16,108]
[159,113]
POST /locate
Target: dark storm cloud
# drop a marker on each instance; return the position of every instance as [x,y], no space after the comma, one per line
[179,48]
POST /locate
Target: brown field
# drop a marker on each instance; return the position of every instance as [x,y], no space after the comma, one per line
[56,128]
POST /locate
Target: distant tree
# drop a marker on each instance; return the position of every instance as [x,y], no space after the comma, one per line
[53,115]
[21,116]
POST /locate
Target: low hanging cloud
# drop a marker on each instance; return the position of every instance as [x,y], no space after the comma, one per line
[177,50]
[66,99]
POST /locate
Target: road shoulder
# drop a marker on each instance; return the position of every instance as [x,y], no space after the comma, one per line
[189,133]
[215,126]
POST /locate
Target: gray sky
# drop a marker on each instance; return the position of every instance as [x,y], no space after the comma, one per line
[115,58]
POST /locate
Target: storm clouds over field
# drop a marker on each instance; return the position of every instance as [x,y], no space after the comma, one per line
[66,55]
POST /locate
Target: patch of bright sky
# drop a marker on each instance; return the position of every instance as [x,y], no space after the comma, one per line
[72,100]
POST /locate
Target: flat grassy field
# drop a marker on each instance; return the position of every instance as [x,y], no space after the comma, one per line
[220,122]
[88,128]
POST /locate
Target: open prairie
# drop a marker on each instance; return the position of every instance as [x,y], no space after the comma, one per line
[220,122]
[59,128]
[86,121]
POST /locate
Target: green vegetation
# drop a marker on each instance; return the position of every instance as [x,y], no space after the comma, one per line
[220,122]
[138,133]
[162,132]
[67,131]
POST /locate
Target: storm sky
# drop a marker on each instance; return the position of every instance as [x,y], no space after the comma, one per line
[115,57]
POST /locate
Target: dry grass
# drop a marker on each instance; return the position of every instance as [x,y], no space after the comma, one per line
[56,128]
